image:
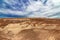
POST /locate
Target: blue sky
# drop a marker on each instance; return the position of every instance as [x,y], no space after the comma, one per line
[29,8]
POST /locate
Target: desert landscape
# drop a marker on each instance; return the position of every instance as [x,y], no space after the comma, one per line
[29,29]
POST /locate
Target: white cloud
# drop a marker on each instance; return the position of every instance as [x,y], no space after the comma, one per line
[56,2]
[37,9]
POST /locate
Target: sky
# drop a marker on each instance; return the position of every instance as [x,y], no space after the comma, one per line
[30,8]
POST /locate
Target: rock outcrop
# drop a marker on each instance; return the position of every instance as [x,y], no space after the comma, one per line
[29,29]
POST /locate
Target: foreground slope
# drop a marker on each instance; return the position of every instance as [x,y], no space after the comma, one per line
[29,29]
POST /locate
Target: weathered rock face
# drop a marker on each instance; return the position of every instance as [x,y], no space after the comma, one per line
[29,29]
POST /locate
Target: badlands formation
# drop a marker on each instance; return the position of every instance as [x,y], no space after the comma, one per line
[29,29]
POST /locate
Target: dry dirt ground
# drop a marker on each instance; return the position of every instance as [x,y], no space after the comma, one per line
[29,29]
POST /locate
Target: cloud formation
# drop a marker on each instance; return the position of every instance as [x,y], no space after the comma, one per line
[30,8]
